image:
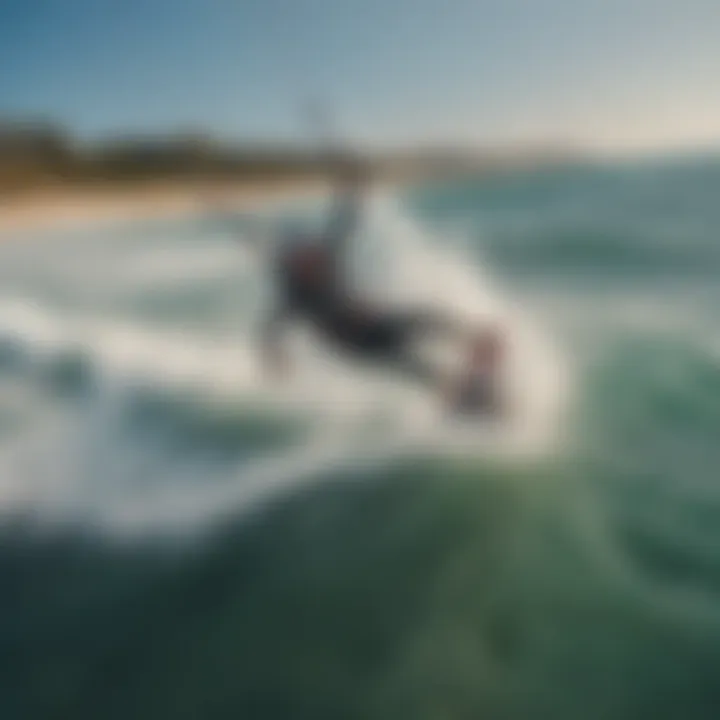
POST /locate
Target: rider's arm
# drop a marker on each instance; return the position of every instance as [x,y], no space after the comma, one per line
[275,358]
[342,223]
[345,214]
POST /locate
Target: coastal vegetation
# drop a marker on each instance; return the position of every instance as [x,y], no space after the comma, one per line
[43,155]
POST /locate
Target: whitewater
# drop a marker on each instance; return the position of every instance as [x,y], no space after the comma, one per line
[137,350]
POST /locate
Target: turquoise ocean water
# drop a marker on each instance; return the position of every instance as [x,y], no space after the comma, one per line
[181,539]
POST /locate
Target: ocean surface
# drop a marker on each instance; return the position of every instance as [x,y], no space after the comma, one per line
[181,537]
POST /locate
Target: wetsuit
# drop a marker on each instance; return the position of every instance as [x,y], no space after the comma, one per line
[384,336]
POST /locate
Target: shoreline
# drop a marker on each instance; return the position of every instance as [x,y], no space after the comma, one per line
[63,209]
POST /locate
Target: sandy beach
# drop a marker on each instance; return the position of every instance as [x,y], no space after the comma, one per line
[67,208]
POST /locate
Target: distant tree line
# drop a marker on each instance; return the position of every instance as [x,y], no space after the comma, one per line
[37,154]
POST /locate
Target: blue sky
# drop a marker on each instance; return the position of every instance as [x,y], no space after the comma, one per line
[610,73]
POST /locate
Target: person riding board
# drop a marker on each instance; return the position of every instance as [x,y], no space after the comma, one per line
[312,286]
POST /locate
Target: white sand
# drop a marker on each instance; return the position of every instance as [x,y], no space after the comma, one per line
[51,209]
